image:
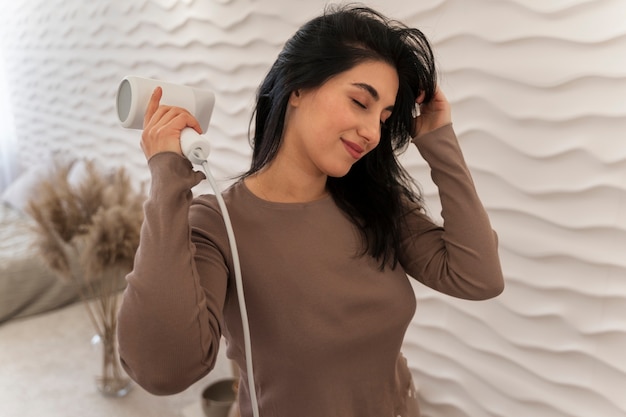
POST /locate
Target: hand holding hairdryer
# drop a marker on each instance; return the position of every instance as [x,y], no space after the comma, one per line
[132,100]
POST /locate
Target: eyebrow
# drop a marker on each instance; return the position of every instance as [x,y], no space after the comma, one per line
[372,91]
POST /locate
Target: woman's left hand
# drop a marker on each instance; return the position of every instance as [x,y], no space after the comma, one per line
[433,114]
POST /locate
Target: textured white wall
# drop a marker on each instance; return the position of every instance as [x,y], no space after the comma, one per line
[538,91]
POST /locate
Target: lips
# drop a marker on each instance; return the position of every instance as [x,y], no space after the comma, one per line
[353,149]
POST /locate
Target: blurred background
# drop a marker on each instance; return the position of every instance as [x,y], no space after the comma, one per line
[538,90]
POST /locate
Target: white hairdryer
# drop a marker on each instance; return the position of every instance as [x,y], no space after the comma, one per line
[132,100]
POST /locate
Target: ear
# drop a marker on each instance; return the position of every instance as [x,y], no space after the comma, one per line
[295,98]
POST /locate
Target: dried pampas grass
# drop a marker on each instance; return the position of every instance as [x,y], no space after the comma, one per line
[87,225]
[98,214]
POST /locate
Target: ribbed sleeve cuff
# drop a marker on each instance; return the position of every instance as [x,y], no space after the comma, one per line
[171,170]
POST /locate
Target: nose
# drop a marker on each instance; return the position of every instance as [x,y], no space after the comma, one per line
[370,131]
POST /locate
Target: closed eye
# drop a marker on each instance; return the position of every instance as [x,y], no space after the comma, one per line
[358,103]
[363,106]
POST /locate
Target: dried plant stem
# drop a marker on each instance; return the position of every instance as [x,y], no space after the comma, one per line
[100,298]
[88,234]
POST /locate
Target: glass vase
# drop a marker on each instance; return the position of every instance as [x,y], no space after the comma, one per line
[112,380]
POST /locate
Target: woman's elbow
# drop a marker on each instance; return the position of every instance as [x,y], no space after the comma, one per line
[159,381]
[494,288]
[163,367]
[161,387]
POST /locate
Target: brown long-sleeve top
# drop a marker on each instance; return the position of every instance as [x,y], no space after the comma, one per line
[326,325]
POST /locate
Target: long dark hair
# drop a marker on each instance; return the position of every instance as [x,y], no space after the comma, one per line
[376,190]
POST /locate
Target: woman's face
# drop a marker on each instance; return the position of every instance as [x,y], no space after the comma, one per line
[329,128]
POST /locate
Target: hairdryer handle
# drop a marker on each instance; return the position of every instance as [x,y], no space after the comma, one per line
[195,147]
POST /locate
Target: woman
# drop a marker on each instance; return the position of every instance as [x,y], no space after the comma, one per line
[328,226]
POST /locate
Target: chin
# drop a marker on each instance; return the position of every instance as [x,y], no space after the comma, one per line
[338,172]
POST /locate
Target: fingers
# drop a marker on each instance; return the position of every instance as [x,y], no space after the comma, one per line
[432,115]
[438,96]
[161,135]
[438,103]
[158,112]
[153,105]
[163,126]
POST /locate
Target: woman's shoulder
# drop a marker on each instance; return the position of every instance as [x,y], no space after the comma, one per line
[233,193]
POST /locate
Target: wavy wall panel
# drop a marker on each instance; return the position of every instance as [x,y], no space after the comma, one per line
[538,93]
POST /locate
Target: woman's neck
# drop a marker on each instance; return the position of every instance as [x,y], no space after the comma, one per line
[284,185]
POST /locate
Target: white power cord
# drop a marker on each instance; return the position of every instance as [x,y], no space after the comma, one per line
[238,279]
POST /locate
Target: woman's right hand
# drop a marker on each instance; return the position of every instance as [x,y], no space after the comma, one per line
[434,114]
[162,126]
